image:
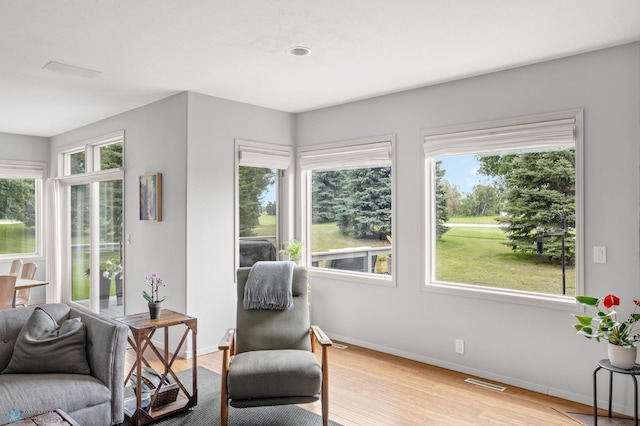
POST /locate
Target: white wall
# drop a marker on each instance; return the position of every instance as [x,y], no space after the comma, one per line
[526,346]
[155,141]
[213,125]
[26,148]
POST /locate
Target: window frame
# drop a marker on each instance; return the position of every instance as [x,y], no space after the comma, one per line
[91,148]
[39,168]
[333,149]
[273,155]
[548,300]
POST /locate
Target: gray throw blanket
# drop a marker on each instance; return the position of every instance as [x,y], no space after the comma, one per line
[269,286]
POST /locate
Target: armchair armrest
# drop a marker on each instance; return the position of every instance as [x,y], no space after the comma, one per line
[227,341]
[326,343]
[320,336]
[106,346]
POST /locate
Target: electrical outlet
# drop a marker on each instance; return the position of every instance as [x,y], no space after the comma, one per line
[459,346]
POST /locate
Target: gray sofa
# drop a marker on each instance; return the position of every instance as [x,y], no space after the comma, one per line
[95,399]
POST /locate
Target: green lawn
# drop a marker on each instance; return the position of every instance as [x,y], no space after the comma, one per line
[17,238]
[471,255]
[267,227]
[327,236]
[475,219]
[476,256]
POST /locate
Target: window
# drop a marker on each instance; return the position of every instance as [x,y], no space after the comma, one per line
[92,188]
[103,153]
[263,220]
[503,208]
[347,211]
[21,198]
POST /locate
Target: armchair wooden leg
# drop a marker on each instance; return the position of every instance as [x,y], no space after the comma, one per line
[224,392]
[224,412]
[325,387]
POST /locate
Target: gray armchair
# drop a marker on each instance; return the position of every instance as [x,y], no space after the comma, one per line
[268,359]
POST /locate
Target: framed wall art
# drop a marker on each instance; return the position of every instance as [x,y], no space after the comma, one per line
[151,197]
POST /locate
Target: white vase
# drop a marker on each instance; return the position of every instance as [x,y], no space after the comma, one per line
[622,357]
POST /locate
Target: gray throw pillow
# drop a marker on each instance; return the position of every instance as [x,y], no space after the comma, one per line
[43,347]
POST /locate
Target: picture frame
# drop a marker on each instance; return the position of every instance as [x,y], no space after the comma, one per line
[151,197]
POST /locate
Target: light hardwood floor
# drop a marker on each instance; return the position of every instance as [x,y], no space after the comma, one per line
[369,388]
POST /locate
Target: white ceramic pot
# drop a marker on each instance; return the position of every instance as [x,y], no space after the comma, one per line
[622,357]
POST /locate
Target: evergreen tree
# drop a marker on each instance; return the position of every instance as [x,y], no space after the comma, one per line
[363,209]
[442,214]
[253,182]
[327,185]
[111,156]
[539,190]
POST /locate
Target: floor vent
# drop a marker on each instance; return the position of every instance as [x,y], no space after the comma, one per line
[339,346]
[486,385]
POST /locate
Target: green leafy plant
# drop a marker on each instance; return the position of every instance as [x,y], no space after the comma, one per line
[155,281]
[294,249]
[606,325]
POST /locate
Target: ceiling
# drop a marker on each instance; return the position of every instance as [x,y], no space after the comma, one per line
[149,49]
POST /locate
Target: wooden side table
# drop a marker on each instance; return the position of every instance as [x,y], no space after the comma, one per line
[633,372]
[142,330]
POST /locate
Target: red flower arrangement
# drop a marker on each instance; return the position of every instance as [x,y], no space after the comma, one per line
[606,325]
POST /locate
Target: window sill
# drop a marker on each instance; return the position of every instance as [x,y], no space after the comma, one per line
[354,277]
[8,258]
[559,302]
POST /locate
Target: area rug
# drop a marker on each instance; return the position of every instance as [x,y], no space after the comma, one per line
[207,412]
[586,419]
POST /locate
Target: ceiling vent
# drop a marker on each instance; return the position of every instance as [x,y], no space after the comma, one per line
[71,70]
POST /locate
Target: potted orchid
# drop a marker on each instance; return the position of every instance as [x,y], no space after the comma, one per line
[622,336]
[155,303]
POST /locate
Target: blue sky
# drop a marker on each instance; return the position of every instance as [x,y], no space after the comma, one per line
[462,171]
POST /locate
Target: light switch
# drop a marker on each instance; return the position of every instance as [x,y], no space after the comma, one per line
[127,238]
[599,254]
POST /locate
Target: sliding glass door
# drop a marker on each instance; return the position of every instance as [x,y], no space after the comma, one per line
[95,236]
